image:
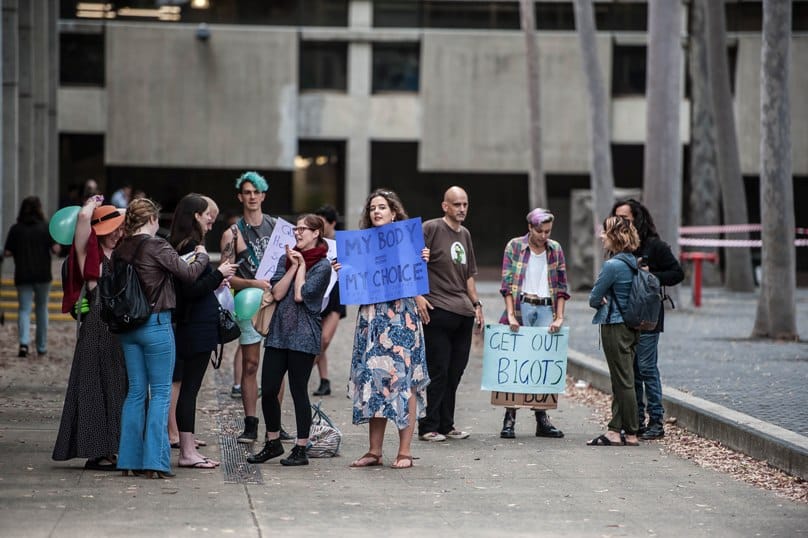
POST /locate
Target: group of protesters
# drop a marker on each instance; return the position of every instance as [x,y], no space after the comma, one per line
[131,397]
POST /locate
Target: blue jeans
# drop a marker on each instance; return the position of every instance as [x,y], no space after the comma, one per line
[38,293]
[536,315]
[150,353]
[646,378]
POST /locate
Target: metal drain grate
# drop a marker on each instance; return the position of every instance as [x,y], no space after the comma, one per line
[234,459]
[234,456]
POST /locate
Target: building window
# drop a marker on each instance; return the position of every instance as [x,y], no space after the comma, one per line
[319,175]
[628,70]
[323,65]
[263,12]
[395,67]
[630,17]
[81,59]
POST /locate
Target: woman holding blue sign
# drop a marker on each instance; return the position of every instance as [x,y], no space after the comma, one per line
[620,239]
[534,286]
[388,367]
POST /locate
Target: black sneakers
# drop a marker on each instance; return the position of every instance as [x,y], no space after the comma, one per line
[655,430]
[296,457]
[272,449]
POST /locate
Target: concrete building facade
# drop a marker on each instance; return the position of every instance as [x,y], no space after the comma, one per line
[349,95]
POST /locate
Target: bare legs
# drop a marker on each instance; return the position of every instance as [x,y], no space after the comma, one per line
[376,429]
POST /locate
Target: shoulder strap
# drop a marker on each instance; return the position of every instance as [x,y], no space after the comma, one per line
[253,258]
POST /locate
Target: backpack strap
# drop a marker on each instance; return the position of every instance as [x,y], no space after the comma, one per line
[611,290]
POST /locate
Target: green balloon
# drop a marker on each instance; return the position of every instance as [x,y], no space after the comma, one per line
[62,225]
[247,302]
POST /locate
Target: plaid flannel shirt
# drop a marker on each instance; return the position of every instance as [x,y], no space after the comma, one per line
[514,266]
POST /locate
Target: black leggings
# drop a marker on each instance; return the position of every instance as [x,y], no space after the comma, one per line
[193,371]
[276,363]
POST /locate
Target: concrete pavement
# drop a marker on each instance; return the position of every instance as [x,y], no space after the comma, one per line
[482,486]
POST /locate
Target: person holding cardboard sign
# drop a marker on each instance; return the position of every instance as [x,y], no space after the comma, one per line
[534,286]
[388,367]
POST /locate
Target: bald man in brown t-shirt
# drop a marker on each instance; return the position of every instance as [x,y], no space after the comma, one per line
[450,312]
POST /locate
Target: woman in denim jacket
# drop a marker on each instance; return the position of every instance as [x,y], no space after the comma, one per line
[619,341]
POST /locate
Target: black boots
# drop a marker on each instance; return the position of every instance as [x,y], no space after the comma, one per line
[508,424]
[544,428]
[296,457]
[250,430]
[324,389]
[272,449]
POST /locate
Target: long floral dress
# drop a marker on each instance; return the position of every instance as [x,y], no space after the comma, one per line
[388,365]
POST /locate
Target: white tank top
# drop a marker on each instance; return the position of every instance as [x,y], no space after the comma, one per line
[536,282]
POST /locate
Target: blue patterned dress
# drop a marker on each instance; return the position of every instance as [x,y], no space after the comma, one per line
[389,363]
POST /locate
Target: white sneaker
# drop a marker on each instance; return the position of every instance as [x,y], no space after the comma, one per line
[435,437]
[457,434]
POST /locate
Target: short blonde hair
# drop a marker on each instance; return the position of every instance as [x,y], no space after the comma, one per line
[621,234]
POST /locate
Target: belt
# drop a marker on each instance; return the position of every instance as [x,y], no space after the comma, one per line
[537,301]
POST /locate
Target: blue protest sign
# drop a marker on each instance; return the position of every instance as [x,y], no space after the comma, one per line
[531,361]
[382,263]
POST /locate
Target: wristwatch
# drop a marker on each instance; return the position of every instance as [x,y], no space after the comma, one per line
[475,304]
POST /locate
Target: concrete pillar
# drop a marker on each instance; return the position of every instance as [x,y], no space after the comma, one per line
[357,174]
[10,191]
[40,181]
[25,57]
[53,89]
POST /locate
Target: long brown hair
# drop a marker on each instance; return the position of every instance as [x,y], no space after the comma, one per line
[392,200]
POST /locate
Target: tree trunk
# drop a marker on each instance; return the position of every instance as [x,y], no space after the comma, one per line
[738,271]
[777,309]
[600,153]
[537,189]
[662,182]
[705,193]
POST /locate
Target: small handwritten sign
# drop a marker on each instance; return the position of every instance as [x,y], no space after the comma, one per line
[382,263]
[531,361]
[282,235]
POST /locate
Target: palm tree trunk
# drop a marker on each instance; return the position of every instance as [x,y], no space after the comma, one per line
[662,183]
[600,162]
[738,274]
[537,189]
[777,309]
[705,193]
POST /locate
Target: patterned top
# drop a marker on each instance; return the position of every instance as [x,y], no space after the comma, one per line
[514,266]
[298,326]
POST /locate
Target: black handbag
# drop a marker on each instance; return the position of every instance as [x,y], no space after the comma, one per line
[228,331]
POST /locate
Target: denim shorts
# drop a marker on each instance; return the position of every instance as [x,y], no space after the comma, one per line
[248,333]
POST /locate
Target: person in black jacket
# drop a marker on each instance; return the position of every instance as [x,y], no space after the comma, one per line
[197,318]
[656,256]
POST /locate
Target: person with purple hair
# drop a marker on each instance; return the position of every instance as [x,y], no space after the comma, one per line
[534,286]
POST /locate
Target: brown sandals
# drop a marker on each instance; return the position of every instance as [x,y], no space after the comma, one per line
[375,459]
[402,458]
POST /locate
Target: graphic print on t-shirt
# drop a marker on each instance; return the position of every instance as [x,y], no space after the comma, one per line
[458,253]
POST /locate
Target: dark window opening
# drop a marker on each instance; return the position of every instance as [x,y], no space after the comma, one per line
[323,65]
[396,67]
[81,59]
[319,176]
[628,70]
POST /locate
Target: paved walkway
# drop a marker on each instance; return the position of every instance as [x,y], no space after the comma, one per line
[483,486]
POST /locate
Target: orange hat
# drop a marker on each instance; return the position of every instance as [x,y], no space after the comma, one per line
[106,219]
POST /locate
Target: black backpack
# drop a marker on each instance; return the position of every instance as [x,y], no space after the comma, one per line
[124,306]
[644,300]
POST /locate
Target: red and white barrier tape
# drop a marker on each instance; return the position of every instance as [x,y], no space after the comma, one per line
[729,229]
[755,243]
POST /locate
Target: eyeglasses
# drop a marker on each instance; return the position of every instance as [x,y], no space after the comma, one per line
[299,229]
